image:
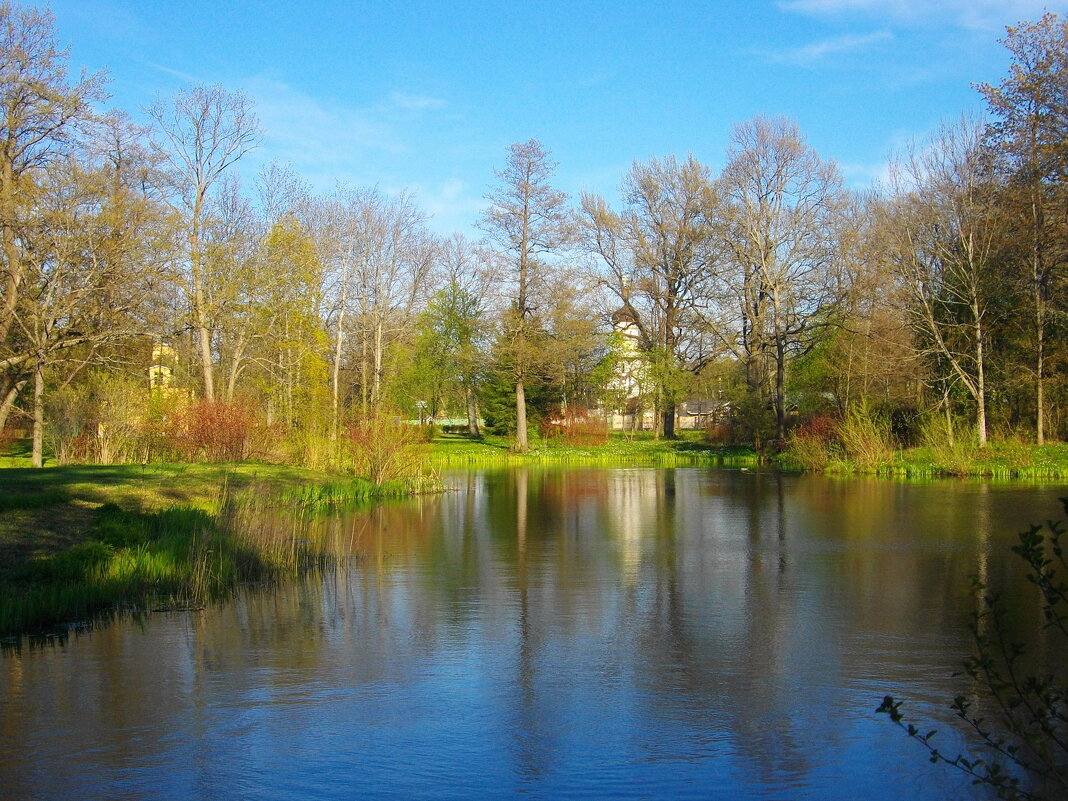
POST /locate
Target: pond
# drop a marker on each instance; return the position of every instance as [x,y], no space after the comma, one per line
[555,633]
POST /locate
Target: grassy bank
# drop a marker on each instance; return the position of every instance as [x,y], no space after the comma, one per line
[999,460]
[459,450]
[77,542]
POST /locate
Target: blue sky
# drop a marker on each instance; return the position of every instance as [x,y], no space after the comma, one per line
[427,96]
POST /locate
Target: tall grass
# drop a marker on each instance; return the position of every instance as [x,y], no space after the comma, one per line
[861,442]
[865,438]
[813,445]
[31,500]
[951,445]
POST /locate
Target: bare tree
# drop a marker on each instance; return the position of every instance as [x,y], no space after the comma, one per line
[1031,132]
[204,129]
[527,219]
[466,272]
[333,222]
[379,258]
[235,279]
[93,271]
[778,234]
[259,263]
[43,112]
[657,257]
[397,256]
[943,224]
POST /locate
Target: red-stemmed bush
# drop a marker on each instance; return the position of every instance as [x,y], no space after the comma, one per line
[217,431]
[576,427]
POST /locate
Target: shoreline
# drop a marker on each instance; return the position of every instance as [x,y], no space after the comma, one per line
[78,542]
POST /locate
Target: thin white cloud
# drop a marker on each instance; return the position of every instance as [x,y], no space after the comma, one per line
[816,52]
[310,133]
[866,176]
[416,102]
[971,14]
[182,76]
[453,205]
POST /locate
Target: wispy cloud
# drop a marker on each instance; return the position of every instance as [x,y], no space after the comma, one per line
[329,143]
[866,176]
[409,102]
[182,76]
[319,138]
[971,14]
[452,205]
[811,54]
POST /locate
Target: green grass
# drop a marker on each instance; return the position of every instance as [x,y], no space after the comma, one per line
[461,450]
[17,453]
[999,460]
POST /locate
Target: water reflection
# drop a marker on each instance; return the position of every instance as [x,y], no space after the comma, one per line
[557,633]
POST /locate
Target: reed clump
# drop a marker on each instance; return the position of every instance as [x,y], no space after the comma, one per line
[865,437]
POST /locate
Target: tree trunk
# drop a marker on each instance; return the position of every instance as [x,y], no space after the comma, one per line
[521,443]
[980,383]
[204,343]
[10,397]
[1040,382]
[200,303]
[235,367]
[472,411]
[11,253]
[667,421]
[335,389]
[335,377]
[38,414]
[950,434]
[780,390]
[1037,221]
[376,395]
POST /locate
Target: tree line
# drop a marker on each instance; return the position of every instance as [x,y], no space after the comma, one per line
[132,255]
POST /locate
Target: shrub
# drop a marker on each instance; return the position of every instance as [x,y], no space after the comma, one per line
[313,448]
[98,420]
[577,428]
[952,444]
[751,420]
[383,447]
[865,437]
[428,431]
[812,445]
[69,411]
[7,438]
[718,433]
[218,431]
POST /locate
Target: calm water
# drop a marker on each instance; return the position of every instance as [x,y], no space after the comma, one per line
[633,633]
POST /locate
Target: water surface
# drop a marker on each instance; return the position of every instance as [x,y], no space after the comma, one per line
[579,633]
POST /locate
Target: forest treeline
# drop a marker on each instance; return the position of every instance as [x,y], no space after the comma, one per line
[154,306]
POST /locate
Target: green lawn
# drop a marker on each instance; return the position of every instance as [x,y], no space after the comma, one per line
[459,450]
